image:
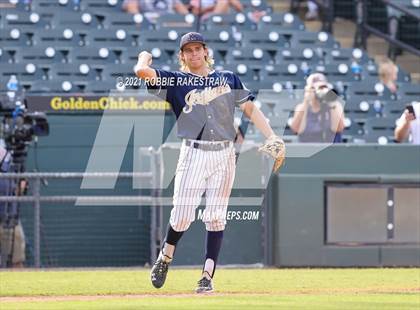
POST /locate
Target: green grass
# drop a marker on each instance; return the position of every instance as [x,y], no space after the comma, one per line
[236,288]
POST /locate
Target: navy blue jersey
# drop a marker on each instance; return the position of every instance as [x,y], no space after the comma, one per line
[204,106]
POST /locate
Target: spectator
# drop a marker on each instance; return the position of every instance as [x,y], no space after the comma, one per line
[388,75]
[409,125]
[320,117]
[312,13]
[155,7]
[206,7]
[12,237]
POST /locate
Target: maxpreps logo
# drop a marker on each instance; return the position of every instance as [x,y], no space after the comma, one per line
[106,103]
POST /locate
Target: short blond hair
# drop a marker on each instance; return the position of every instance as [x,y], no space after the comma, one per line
[385,70]
[183,66]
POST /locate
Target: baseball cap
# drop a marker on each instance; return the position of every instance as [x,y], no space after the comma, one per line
[191,37]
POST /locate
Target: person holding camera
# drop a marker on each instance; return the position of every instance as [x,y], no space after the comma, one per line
[320,117]
[12,237]
[408,124]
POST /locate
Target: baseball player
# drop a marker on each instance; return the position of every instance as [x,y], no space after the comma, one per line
[203,101]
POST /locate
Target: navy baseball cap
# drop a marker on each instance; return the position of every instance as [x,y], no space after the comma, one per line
[191,37]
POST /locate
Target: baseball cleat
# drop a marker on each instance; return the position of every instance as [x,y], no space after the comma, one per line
[159,272]
[204,286]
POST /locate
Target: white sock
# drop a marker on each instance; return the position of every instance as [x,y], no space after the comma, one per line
[167,253]
[208,268]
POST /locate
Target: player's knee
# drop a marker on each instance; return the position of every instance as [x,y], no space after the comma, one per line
[216,225]
[180,225]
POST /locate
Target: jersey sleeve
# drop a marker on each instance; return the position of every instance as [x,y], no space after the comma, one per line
[242,94]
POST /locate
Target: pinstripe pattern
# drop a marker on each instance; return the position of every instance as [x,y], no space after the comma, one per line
[200,171]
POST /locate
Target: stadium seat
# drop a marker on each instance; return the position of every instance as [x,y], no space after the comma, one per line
[266,40]
[101,6]
[16,18]
[45,87]
[282,73]
[15,37]
[173,21]
[96,55]
[43,55]
[308,55]
[6,55]
[310,39]
[125,21]
[75,20]
[59,37]
[379,130]
[245,73]
[73,72]
[238,21]
[111,37]
[346,55]
[27,71]
[253,58]
[281,20]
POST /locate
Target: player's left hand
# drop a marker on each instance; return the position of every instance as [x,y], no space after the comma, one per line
[275,147]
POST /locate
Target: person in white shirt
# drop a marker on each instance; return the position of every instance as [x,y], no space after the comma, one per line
[408,125]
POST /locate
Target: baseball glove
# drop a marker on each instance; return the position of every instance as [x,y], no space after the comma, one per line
[275,147]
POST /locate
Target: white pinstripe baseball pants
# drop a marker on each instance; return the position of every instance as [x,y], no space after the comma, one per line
[199,171]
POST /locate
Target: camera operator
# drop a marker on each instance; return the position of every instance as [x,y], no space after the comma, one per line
[320,117]
[12,238]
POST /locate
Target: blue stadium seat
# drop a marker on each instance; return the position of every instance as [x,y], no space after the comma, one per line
[26,71]
[267,40]
[281,21]
[6,55]
[308,55]
[96,55]
[15,36]
[75,20]
[42,54]
[346,55]
[238,21]
[254,58]
[174,21]
[310,39]
[59,37]
[379,130]
[126,21]
[17,18]
[73,72]
[282,73]
[110,37]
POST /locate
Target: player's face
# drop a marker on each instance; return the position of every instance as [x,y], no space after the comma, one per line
[194,55]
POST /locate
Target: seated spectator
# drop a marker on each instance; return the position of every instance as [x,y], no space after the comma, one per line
[155,7]
[313,10]
[388,75]
[320,117]
[206,7]
[409,125]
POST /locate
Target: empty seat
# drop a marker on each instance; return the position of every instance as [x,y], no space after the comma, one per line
[281,20]
[15,36]
[73,72]
[238,21]
[379,130]
[122,20]
[310,39]
[75,20]
[308,55]
[96,55]
[172,21]
[28,71]
[283,73]
[42,54]
[346,55]
[111,37]
[59,37]
[267,40]
[253,58]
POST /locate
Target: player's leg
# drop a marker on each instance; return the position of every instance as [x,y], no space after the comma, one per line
[189,187]
[218,191]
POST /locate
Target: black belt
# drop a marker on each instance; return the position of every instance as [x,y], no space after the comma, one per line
[216,146]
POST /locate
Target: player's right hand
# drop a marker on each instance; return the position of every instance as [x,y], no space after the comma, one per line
[409,116]
[145,58]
